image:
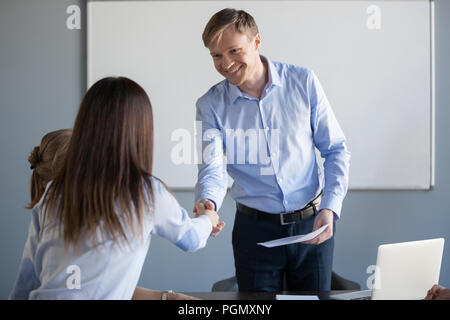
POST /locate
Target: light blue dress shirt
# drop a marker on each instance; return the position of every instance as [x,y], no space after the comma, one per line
[268,145]
[110,271]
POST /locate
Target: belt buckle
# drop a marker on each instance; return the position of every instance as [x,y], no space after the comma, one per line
[282,218]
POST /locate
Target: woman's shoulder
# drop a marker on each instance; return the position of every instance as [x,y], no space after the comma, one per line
[159,192]
[157,185]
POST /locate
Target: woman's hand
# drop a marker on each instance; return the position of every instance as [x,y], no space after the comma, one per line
[206,207]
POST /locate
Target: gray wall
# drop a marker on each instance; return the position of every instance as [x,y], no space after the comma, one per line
[42,81]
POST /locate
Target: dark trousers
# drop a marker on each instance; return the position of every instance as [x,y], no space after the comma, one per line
[293,267]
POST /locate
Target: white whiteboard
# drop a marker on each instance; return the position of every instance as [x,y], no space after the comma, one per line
[374,60]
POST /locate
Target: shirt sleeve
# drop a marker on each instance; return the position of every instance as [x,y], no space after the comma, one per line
[27,278]
[212,175]
[330,141]
[173,222]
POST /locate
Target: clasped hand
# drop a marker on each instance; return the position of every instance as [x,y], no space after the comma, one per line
[206,207]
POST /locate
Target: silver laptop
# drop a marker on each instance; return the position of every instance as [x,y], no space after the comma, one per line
[404,271]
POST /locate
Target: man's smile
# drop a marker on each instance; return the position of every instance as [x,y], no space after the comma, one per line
[234,70]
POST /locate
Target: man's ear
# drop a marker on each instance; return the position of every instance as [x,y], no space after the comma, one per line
[257,41]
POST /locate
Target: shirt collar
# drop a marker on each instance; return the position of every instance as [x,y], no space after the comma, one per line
[274,79]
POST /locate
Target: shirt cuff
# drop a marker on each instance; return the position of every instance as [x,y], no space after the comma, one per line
[217,200]
[215,206]
[204,227]
[333,203]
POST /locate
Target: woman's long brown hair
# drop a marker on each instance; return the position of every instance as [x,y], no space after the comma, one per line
[105,179]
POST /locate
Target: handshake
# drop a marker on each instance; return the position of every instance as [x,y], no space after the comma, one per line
[206,207]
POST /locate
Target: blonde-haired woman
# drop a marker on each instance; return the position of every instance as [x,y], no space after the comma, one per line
[45,160]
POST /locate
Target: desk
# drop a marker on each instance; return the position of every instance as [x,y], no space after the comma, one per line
[323,295]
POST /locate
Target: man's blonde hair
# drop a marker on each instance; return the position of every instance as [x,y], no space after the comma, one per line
[220,21]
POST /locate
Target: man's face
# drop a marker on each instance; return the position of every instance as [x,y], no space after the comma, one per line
[235,56]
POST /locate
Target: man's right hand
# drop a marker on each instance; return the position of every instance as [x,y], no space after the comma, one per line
[206,206]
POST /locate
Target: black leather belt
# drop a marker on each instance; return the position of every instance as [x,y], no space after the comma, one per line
[284,217]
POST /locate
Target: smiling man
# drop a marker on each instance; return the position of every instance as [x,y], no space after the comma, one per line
[280,100]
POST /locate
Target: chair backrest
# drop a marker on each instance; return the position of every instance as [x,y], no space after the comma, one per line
[226,285]
[340,283]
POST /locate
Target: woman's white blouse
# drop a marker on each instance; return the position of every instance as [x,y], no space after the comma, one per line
[48,270]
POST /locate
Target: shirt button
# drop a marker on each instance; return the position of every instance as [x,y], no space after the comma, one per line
[280,180]
[285,202]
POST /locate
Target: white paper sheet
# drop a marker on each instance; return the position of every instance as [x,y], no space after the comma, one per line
[295,297]
[294,239]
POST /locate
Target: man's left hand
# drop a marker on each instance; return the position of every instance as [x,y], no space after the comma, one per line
[325,216]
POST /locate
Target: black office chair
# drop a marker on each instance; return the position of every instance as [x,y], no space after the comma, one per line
[226,285]
[340,283]
[337,283]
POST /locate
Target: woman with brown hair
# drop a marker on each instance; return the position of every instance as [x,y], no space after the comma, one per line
[91,230]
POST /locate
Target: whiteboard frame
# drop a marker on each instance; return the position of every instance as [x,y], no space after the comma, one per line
[433,100]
